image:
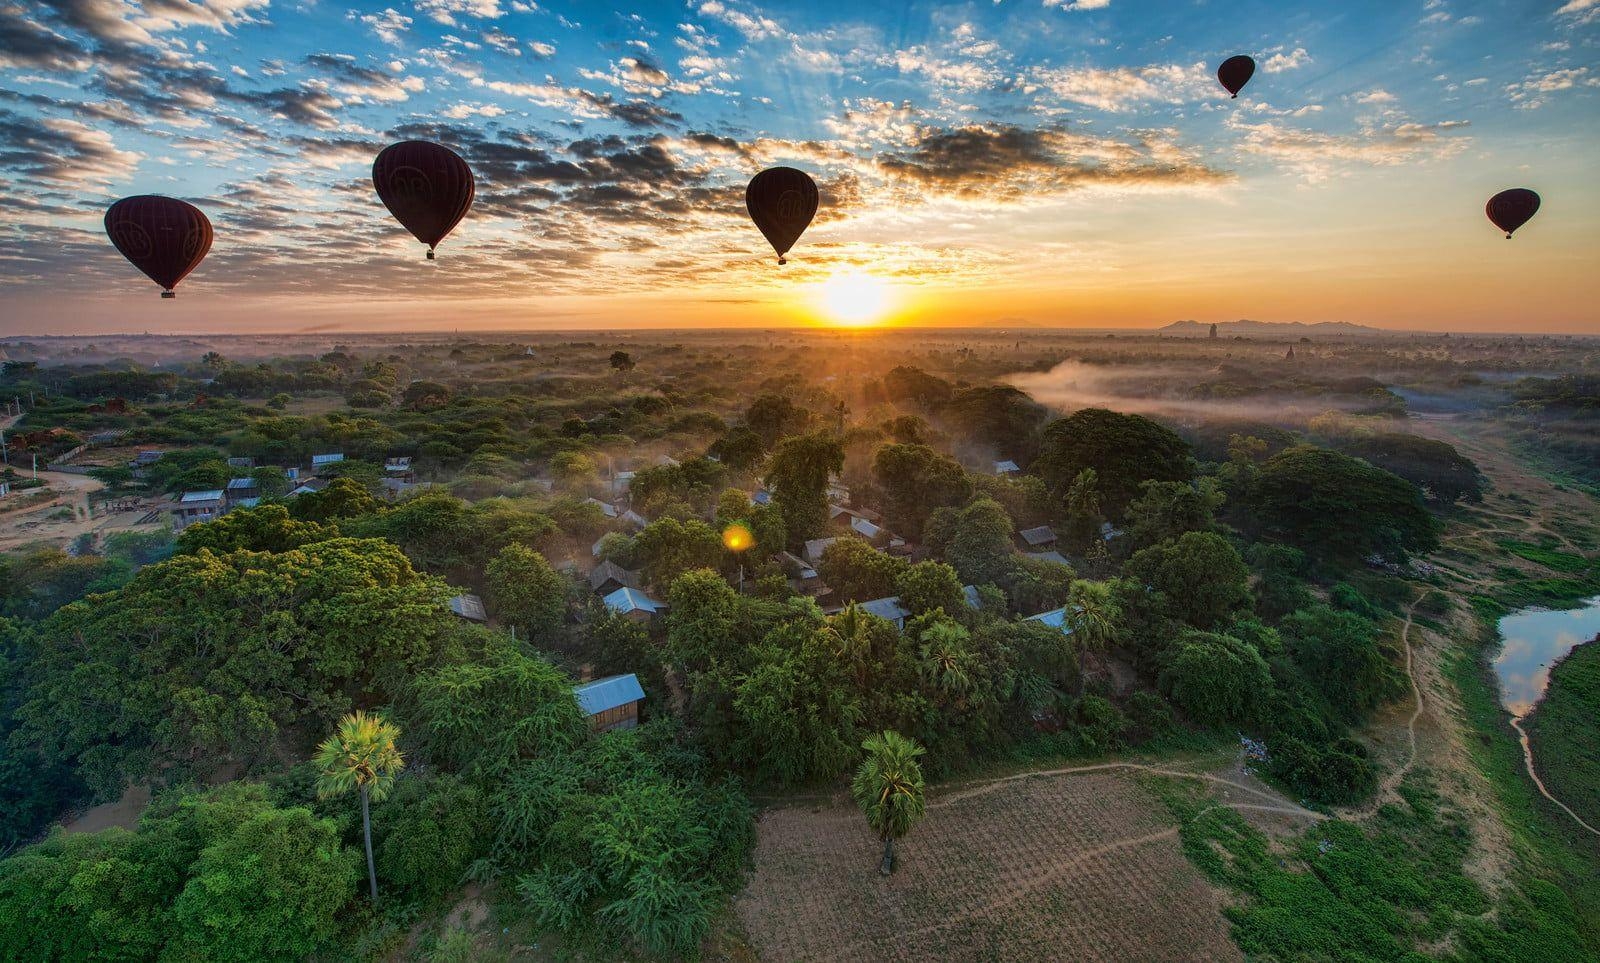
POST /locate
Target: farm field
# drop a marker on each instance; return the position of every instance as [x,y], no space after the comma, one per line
[1085,865]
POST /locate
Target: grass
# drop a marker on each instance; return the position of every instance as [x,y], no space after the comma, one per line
[1563,562]
[1390,888]
[1563,731]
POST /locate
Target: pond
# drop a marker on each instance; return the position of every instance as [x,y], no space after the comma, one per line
[1533,640]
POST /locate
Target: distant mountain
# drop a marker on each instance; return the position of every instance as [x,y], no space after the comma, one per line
[1273,329]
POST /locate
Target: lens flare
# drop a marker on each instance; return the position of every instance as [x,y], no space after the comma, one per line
[736,537]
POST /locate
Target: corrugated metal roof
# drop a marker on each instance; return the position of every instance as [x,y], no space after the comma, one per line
[1055,618]
[237,484]
[632,600]
[1005,467]
[607,571]
[328,459]
[211,496]
[608,693]
[469,607]
[887,608]
[1055,557]
[970,593]
[1043,535]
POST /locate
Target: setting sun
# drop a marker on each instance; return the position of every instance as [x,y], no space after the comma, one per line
[855,298]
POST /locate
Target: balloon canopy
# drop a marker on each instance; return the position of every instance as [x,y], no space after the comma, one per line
[428,188]
[162,236]
[1235,72]
[782,201]
[1511,209]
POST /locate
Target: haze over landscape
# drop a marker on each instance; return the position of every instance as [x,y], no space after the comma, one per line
[1035,164]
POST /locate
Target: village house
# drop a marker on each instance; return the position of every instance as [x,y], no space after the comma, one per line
[608,576]
[612,702]
[199,507]
[1040,539]
[469,607]
[634,604]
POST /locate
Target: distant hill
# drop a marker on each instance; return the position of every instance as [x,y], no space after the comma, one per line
[1274,329]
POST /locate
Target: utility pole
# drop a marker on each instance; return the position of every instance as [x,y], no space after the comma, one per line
[5,452]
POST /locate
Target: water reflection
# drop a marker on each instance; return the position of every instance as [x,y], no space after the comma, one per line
[1535,640]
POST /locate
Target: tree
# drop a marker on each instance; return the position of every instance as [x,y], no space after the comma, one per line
[1341,654]
[669,548]
[930,585]
[773,417]
[622,361]
[1217,679]
[1201,576]
[975,540]
[1339,508]
[265,528]
[859,572]
[1166,510]
[889,789]
[343,498]
[798,475]
[915,480]
[526,591]
[1124,451]
[360,755]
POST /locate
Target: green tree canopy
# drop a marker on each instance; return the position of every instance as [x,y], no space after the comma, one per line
[1339,508]
[1201,576]
[525,591]
[1124,451]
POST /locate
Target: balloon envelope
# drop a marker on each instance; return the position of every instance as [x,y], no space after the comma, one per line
[782,201]
[1235,72]
[161,236]
[1511,209]
[428,188]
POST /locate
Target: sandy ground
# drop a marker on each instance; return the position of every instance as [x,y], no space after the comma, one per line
[74,492]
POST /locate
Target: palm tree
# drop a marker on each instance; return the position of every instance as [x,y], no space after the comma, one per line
[946,662]
[889,788]
[1094,616]
[360,755]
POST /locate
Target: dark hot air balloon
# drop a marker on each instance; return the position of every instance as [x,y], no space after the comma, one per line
[1235,72]
[428,188]
[782,201]
[1511,209]
[161,236]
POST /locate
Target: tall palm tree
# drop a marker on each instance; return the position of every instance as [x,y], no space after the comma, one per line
[1094,616]
[947,662]
[360,755]
[889,788]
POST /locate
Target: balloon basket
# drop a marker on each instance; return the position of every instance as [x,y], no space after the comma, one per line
[430,253]
[783,260]
[169,294]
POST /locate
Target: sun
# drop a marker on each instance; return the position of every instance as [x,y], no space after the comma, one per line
[855,298]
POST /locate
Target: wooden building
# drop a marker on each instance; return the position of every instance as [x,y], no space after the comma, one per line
[612,702]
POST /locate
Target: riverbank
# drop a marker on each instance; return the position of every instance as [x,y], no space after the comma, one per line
[1562,728]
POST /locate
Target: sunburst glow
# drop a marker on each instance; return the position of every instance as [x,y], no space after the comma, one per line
[855,298]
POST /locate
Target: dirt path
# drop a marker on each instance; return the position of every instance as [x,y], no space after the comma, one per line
[1392,781]
[1527,760]
[1278,804]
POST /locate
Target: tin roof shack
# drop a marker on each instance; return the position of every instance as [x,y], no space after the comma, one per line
[469,607]
[242,490]
[608,576]
[612,702]
[398,469]
[198,507]
[1041,539]
[634,604]
[324,463]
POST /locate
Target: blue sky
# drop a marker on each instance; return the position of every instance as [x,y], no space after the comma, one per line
[1061,162]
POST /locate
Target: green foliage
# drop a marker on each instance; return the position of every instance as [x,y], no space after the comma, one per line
[1123,450]
[1216,679]
[482,717]
[798,476]
[220,875]
[1201,577]
[1341,654]
[1432,465]
[343,498]
[210,657]
[264,528]
[859,572]
[525,591]
[889,785]
[915,480]
[668,548]
[796,714]
[1337,508]
[1392,888]
[1563,728]
[930,585]
[1166,510]
[428,833]
[975,540]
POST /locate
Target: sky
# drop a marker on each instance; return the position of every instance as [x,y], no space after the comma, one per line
[1014,163]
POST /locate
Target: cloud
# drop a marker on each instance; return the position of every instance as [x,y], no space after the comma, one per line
[1279,62]
[446,11]
[1376,95]
[1581,12]
[388,25]
[1531,93]
[1004,163]
[26,43]
[62,151]
[1078,4]
[1120,88]
[1317,155]
[754,26]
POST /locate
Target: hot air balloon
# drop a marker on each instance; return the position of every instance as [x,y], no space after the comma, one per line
[161,236]
[1235,72]
[782,201]
[428,188]
[1511,209]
